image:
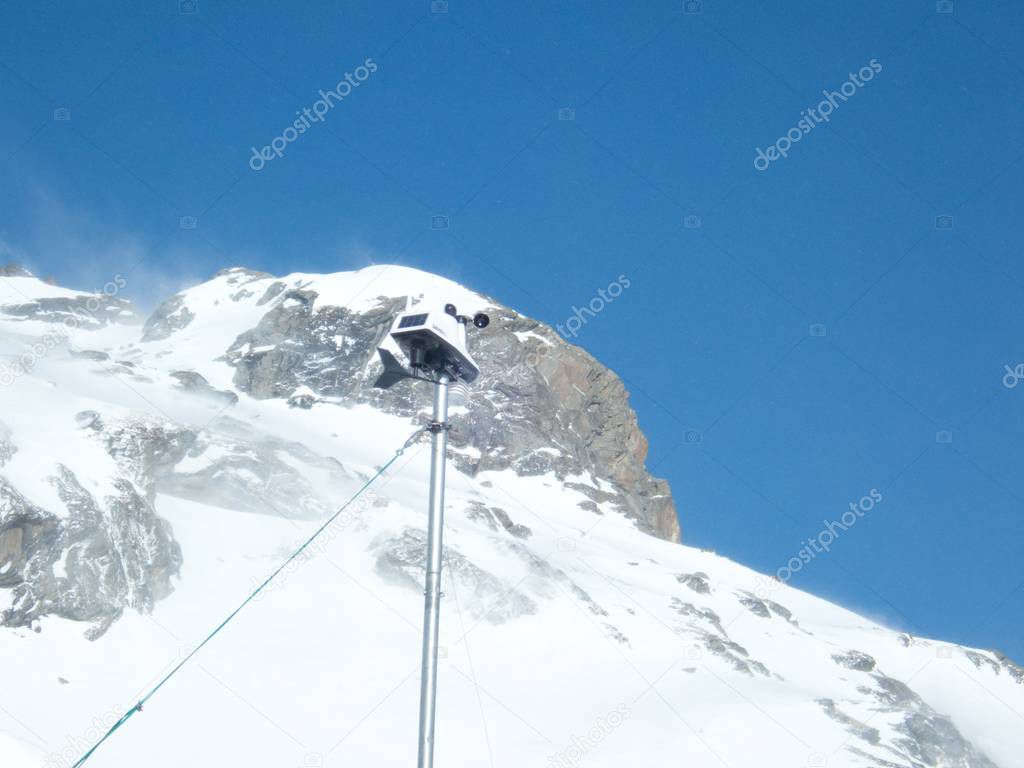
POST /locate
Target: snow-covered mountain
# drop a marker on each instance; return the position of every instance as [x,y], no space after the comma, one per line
[151,473]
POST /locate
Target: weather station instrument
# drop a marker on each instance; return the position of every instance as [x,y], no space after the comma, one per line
[433,341]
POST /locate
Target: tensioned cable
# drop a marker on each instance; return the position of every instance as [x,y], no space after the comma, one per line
[138,706]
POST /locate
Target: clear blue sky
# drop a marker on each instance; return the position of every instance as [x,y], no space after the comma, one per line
[713,335]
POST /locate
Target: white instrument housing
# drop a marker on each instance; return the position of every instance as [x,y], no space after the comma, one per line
[435,339]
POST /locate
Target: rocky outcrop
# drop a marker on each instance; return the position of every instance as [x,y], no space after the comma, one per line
[698,582]
[105,555]
[855,660]
[487,597]
[540,405]
[924,736]
[237,470]
[168,317]
[497,518]
[98,553]
[86,311]
[190,381]
[14,270]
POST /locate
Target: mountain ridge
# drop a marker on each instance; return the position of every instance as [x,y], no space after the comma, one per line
[146,485]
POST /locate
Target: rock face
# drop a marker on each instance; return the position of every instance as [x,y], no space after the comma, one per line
[14,270]
[925,736]
[401,560]
[540,405]
[168,317]
[190,381]
[238,469]
[75,312]
[89,560]
[243,409]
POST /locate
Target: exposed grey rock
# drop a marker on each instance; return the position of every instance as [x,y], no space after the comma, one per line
[497,518]
[104,556]
[934,740]
[554,582]
[1012,669]
[90,354]
[7,448]
[293,347]
[542,406]
[272,292]
[980,660]
[240,275]
[733,653]
[856,660]
[755,606]
[587,600]
[861,730]
[715,638]
[87,311]
[302,400]
[927,737]
[766,608]
[616,634]
[169,317]
[146,450]
[594,495]
[89,420]
[781,611]
[197,384]
[485,596]
[478,512]
[705,614]
[27,533]
[14,270]
[253,475]
[698,582]
[115,552]
[98,555]
[996,662]
[516,529]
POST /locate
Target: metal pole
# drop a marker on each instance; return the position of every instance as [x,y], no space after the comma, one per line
[432,593]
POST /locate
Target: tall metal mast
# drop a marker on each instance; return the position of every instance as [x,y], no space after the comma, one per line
[435,344]
[432,593]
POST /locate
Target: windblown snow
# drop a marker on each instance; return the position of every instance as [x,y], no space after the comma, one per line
[569,636]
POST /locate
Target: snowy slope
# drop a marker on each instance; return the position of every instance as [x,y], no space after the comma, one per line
[570,636]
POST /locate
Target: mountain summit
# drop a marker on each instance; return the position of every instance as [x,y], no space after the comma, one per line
[151,473]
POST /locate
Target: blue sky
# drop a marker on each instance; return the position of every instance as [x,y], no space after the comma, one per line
[793,337]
